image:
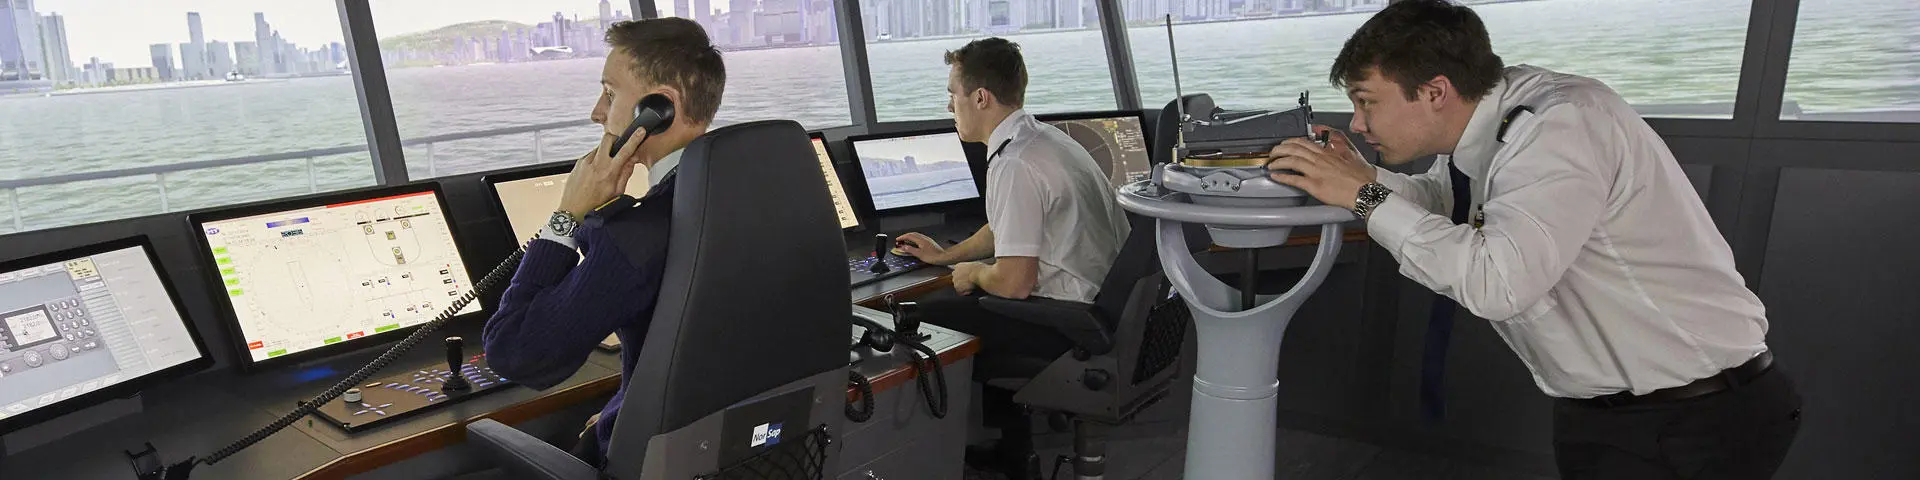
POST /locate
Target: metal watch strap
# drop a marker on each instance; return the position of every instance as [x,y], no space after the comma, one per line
[1370,196]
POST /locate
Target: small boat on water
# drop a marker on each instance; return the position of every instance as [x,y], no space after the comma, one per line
[236,77]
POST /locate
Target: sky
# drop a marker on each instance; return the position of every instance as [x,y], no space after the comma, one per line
[121,31]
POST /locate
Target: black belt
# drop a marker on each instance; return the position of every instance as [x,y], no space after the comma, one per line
[1727,379]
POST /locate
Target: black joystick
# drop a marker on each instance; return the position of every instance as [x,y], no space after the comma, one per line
[455,381]
[880,246]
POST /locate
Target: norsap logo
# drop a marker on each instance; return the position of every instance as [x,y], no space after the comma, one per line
[766,434]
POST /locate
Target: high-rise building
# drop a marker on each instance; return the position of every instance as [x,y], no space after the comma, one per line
[606,15]
[219,59]
[703,14]
[560,28]
[284,59]
[194,54]
[59,57]
[938,19]
[870,19]
[96,73]
[163,61]
[291,60]
[1069,13]
[247,58]
[740,19]
[780,22]
[22,59]
[819,20]
[267,58]
[338,53]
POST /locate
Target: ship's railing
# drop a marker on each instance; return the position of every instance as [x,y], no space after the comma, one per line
[160,173]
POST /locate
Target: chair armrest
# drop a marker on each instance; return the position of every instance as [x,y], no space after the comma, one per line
[525,456]
[1077,321]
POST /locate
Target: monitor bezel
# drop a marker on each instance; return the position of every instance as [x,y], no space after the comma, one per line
[494,180]
[854,149]
[859,222]
[134,385]
[237,340]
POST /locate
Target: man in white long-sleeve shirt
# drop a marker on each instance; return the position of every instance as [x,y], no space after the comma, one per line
[1576,234]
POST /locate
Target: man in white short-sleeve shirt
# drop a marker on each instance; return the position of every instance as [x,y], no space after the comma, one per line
[1053,230]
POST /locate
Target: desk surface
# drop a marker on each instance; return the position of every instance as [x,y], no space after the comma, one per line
[206,413]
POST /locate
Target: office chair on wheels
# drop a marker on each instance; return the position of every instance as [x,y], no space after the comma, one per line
[1127,347]
[743,371]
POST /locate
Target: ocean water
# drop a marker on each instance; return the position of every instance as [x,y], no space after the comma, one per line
[1850,55]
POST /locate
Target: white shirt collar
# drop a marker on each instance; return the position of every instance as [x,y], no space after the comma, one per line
[660,168]
[1006,129]
[1474,154]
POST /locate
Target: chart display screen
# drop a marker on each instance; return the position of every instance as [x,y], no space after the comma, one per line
[82,323]
[530,202]
[312,277]
[916,170]
[1116,143]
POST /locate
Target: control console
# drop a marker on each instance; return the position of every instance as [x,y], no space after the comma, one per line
[407,393]
[882,264]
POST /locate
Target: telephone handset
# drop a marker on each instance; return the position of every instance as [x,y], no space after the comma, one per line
[654,114]
[933,384]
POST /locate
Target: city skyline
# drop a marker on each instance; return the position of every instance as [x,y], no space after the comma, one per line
[215,42]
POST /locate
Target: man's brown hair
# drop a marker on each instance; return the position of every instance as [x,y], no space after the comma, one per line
[1413,41]
[994,64]
[675,52]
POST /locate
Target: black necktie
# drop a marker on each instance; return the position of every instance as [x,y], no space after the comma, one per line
[1440,325]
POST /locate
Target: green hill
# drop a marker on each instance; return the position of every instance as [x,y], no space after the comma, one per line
[444,38]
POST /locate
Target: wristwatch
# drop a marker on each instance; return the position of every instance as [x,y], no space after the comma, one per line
[563,224]
[1371,196]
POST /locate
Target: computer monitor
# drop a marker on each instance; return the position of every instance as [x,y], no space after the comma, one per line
[1116,140]
[527,198]
[907,170]
[842,207]
[87,325]
[305,278]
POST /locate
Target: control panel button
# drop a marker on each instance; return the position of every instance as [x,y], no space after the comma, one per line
[59,351]
[90,345]
[32,358]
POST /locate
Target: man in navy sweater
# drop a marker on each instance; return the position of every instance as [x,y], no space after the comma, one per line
[560,305]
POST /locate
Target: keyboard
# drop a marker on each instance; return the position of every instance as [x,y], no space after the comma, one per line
[858,269]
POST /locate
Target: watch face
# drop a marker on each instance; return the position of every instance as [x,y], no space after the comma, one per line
[562,223]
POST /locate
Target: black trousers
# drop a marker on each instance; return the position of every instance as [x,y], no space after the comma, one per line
[1740,433]
[1003,341]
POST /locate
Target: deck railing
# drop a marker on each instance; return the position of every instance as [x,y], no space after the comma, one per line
[159,173]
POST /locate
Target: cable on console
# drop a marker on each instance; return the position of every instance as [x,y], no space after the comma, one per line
[939,407]
[500,272]
[865,389]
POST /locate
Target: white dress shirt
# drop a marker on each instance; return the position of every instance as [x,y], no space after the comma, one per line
[1047,199]
[1596,261]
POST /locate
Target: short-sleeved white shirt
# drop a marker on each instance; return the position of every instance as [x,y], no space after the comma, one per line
[1047,199]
